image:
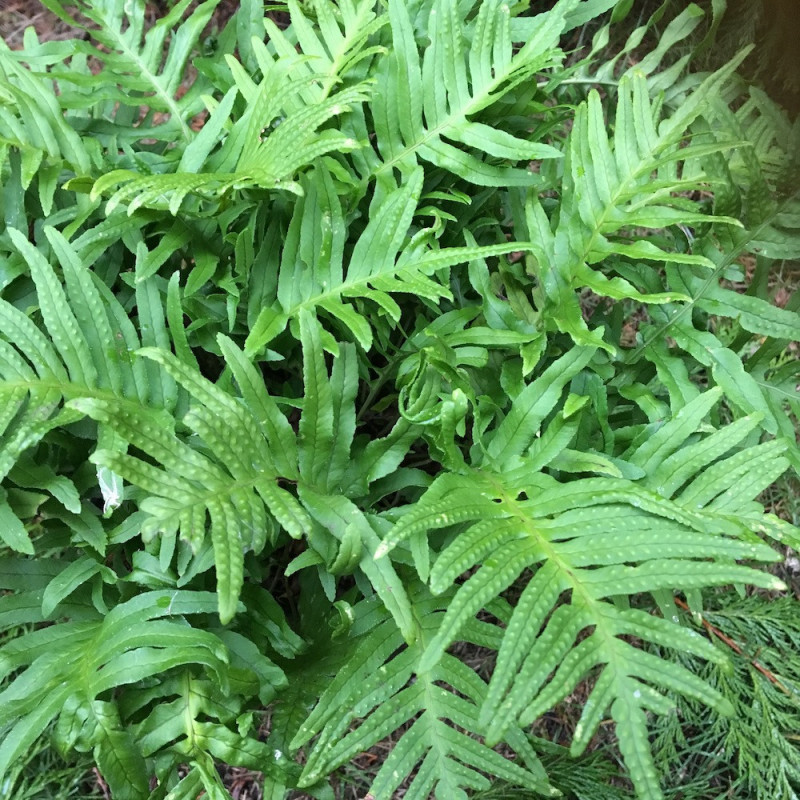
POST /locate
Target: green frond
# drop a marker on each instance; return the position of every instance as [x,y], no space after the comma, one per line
[376,692]
[45,141]
[440,89]
[125,48]
[337,45]
[84,353]
[516,432]
[585,543]
[237,493]
[613,185]
[262,164]
[312,274]
[359,538]
[131,643]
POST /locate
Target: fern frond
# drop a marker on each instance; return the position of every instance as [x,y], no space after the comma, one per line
[45,140]
[440,92]
[332,49]
[235,485]
[761,192]
[279,134]
[87,353]
[727,369]
[376,692]
[263,162]
[66,666]
[664,64]
[612,185]
[134,51]
[595,539]
[236,490]
[312,274]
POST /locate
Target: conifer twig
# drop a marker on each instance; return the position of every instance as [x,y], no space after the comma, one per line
[714,631]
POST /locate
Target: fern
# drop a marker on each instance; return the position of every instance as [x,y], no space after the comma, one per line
[380,688]
[440,91]
[313,277]
[578,538]
[88,354]
[130,644]
[418,344]
[138,55]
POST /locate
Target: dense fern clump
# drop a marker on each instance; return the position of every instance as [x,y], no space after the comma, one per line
[327,347]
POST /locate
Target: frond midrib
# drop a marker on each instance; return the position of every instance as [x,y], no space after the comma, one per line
[152,79]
